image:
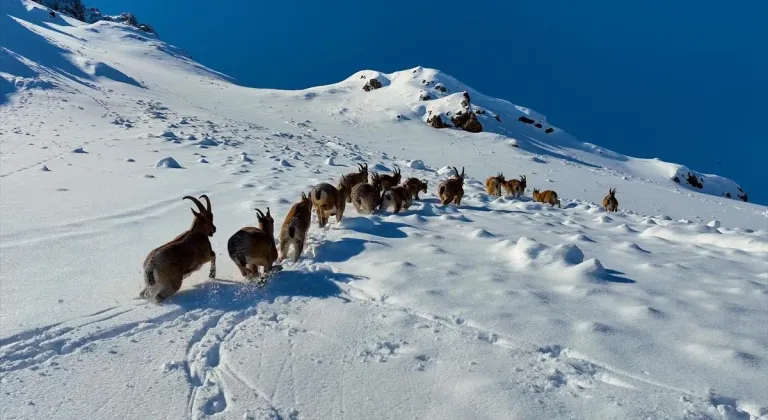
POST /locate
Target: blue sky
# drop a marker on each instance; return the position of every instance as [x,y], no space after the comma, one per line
[682,81]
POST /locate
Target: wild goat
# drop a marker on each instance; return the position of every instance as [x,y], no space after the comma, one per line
[610,202]
[452,190]
[254,247]
[548,196]
[389,181]
[168,265]
[295,226]
[329,200]
[516,188]
[399,196]
[365,196]
[493,184]
[354,178]
[415,185]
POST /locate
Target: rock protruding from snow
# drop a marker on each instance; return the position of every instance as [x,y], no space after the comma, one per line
[330,161]
[455,108]
[44,168]
[168,162]
[706,183]
[207,142]
[78,150]
[79,11]
[372,84]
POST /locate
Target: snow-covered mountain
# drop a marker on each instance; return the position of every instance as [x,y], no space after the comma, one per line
[498,308]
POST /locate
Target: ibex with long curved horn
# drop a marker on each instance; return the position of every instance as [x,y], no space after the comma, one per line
[295,226]
[610,202]
[353,178]
[452,190]
[254,247]
[493,184]
[168,265]
[516,188]
[389,181]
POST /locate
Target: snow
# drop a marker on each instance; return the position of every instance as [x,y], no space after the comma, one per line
[500,308]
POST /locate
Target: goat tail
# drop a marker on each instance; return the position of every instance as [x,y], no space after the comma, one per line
[149,276]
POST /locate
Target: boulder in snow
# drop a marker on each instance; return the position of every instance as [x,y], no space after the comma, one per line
[372,84]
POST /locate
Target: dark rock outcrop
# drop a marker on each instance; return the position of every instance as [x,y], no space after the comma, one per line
[441,87]
[425,96]
[436,121]
[538,125]
[549,130]
[693,181]
[743,195]
[78,10]
[473,125]
[526,120]
[497,117]
[372,84]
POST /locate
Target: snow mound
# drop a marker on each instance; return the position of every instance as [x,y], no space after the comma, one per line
[740,242]
[168,162]
[207,142]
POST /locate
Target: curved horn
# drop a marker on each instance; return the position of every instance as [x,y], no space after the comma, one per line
[268,212]
[197,202]
[259,213]
[360,167]
[462,172]
[456,170]
[207,202]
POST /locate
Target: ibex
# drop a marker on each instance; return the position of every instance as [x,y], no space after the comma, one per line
[610,202]
[366,197]
[451,190]
[548,196]
[168,265]
[329,200]
[399,196]
[389,181]
[254,247]
[493,184]
[515,187]
[415,185]
[354,178]
[295,226]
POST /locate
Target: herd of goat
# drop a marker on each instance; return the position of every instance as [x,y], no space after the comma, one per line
[253,247]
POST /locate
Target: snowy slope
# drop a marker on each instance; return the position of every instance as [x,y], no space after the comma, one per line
[501,308]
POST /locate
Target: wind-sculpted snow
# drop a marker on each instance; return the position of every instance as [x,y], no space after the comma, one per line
[500,308]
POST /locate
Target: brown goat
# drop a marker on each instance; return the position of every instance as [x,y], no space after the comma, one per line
[548,196]
[254,247]
[329,200]
[516,188]
[294,229]
[493,184]
[366,197]
[399,196]
[389,181]
[415,185]
[354,178]
[168,265]
[610,202]
[452,190]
